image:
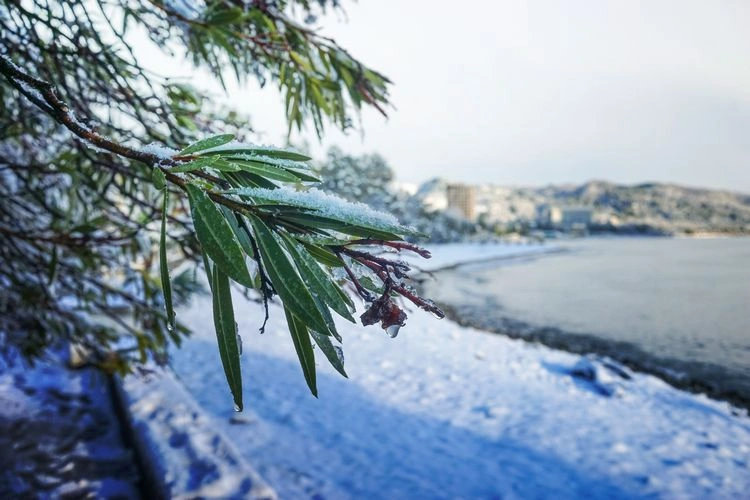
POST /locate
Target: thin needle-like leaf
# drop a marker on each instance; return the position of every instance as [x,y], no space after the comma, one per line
[166,284]
[304,349]
[226,334]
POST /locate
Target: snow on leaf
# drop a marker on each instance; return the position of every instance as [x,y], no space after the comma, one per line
[159,150]
[326,205]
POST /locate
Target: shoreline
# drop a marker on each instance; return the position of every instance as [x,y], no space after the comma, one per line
[633,357]
[675,372]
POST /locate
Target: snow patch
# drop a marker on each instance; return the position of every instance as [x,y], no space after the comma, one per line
[445,411]
[159,150]
[184,451]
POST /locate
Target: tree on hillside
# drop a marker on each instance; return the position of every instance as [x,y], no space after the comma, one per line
[365,178]
[114,181]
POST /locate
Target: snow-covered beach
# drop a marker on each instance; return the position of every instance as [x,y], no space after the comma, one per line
[445,411]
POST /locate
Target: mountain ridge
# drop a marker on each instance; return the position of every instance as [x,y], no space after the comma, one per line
[660,207]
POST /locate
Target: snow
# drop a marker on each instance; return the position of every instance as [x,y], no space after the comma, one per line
[324,204]
[188,9]
[445,411]
[159,150]
[185,455]
[59,435]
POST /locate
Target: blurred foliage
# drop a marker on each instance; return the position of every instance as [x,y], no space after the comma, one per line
[115,181]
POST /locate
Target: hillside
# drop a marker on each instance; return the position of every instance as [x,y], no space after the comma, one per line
[646,207]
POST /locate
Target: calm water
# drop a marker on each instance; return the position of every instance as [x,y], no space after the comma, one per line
[676,307]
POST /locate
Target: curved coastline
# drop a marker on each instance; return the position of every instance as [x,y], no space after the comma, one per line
[697,377]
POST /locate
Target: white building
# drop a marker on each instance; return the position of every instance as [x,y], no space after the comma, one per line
[568,218]
[462,200]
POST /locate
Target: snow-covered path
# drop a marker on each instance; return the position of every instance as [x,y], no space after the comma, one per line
[444,411]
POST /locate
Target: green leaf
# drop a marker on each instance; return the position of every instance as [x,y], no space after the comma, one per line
[323,255]
[205,161]
[263,170]
[304,176]
[216,236]
[277,162]
[331,352]
[319,222]
[158,178]
[329,213]
[224,166]
[226,334]
[224,16]
[318,279]
[264,151]
[166,284]
[291,288]
[304,349]
[242,235]
[207,143]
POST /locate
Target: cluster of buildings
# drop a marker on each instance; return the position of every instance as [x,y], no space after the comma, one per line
[462,202]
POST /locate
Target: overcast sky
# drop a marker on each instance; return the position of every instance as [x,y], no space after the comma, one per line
[550,91]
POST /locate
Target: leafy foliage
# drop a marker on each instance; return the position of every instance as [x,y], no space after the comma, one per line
[100,234]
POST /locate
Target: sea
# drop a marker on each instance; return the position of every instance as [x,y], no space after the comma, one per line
[675,307]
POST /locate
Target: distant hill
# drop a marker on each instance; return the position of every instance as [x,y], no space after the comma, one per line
[666,208]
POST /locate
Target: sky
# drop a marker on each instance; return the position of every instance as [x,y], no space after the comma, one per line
[539,92]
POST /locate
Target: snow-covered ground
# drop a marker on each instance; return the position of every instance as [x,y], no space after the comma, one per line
[59,434]
[444,411]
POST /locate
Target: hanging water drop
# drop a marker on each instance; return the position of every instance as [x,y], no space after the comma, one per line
[170,326]
[392,331]
[237,408]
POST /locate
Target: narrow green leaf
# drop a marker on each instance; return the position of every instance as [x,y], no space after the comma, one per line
[224,16]
[268,160]
[158,178]
[207,143]
[216,236]
[263,170]
[330,212]
[318,222]
[304,349]
[166,284]
[333,353]
[190,166]
[226,334]
[263,151]
[291,288]
[323,255]
[304,176]
[318,279]
[208,267]
[242,236]
[224,166]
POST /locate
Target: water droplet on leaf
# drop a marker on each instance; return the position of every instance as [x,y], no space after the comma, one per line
[392,330]
[237,408]
[239,343]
